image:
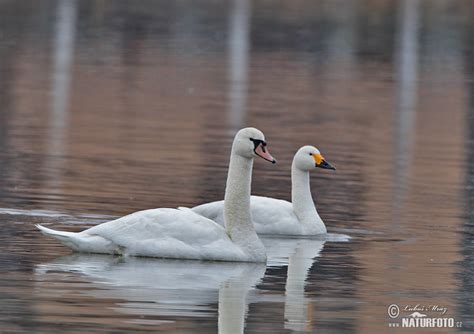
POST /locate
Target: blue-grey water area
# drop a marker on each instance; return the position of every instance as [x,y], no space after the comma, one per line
[109,107]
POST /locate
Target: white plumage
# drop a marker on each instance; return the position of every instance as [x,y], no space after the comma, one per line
[183,234]
[167,233]
[276,216]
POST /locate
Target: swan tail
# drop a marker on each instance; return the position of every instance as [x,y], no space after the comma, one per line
[82,242]
[60,235]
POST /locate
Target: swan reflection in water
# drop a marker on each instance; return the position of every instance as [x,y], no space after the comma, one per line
[299,255]
[156,287]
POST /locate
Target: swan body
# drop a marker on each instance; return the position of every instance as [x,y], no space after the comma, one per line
[276,216]
[155,232]
[183,234]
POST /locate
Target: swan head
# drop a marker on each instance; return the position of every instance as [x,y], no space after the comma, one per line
[250,143]
[308,158]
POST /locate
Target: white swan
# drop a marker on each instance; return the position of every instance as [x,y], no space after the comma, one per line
[275,216]
[183,234]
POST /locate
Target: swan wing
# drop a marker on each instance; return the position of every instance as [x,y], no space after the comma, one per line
[274,216]
[165,233]
[212,210]
[269,215]
[170,233]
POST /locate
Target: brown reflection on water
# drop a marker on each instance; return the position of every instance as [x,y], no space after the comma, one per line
[112,107]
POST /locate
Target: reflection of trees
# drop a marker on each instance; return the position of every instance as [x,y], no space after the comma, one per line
[7,57]
[308,26]
[406,104]
[18,168]
[147,74]
[13,31]
[466,294]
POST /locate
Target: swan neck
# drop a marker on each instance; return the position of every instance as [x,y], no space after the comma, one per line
[301,198]
[237,216]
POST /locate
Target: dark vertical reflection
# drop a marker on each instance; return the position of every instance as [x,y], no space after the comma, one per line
[7,57]
[467,266]
[340,43]
[16,167]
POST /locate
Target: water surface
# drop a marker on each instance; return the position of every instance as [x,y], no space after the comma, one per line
[112,107]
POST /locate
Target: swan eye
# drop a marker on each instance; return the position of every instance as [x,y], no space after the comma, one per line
[257,142]
[311,154]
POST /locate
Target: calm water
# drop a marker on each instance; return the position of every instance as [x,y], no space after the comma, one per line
[108,107]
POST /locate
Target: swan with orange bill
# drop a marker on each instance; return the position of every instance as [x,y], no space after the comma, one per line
[276,216]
